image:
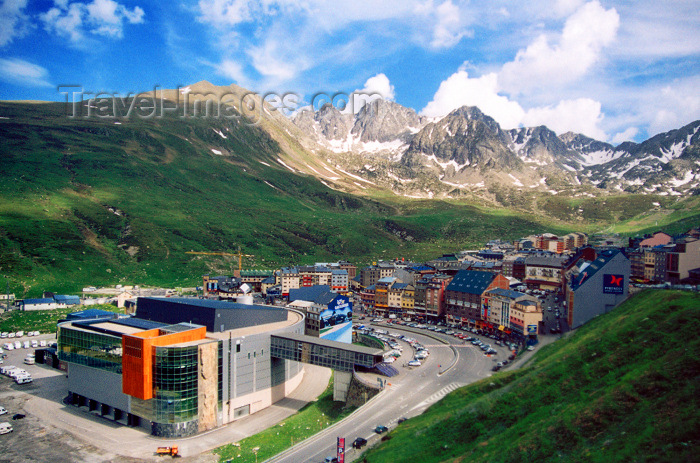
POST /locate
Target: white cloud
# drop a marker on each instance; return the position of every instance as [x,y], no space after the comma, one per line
[376,87]
[448,26]
[13,21]
[21,72]
[100,17]
[626,135]
[234,71]
[225,12]
[542,64]
[581,115]
[460,90]
[278,61]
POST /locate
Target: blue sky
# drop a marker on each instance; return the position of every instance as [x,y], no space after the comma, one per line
[612,70]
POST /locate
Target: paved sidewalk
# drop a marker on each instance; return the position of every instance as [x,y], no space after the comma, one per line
[133,443]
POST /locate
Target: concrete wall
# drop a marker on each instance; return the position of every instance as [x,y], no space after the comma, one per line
[100,385]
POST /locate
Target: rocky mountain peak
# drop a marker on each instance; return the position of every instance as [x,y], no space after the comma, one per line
[385,121]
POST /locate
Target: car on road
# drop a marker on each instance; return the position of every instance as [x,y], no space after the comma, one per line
[414,363]
[359,443]
[330,460]
[401,420]
[531,348]
[3,410]
[381,429]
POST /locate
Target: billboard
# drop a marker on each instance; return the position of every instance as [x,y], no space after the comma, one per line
[531,329]
[613,284]
[336,320]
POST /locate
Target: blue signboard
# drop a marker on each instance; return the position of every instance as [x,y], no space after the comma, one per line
[531,329]
[336,320]
[613,284]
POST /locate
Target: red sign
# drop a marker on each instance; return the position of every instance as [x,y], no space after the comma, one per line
[341,450]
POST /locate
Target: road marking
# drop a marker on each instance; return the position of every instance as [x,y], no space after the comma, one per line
[439,395]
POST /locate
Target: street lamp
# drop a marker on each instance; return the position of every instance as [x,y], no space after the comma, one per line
[255,451]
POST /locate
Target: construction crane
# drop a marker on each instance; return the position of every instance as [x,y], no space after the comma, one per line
[240,255]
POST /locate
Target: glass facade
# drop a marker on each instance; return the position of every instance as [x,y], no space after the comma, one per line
[175,384]
[91,349]
[331,357]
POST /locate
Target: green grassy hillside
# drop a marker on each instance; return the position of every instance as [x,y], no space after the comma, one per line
[94,202]
[622,388]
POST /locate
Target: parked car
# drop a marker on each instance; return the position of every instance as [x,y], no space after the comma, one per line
[359,443]
[330,460]
[401,420]
[5,428]
[414,363]
[381,429]
[3,410]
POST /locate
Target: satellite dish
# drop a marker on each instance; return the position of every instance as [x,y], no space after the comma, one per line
[245,288]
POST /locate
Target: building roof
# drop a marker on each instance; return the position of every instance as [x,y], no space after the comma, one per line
[269,281]
[63,298]
[509,293]
[43,300]
[339,272]
[256,273]
[592,268]
[471,282]
[386,280]
[91,313]
[545,261]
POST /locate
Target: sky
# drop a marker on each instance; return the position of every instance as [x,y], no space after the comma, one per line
[612,70]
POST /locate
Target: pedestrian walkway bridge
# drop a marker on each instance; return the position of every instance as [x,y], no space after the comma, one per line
[339,356]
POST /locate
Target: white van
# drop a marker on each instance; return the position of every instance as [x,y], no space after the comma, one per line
[27,344]
[30,360]
[6,369]
[3,410]
[42,343]
[35,343]
[5,428]
[23,379]
[18,345]
[20,334]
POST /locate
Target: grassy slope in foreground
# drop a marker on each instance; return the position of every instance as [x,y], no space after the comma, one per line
[624,387]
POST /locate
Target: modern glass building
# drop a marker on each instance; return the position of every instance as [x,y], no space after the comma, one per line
[179,379]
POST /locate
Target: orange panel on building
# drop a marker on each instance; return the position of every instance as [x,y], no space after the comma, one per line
[137,357]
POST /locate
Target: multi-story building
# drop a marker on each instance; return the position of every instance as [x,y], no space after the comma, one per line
[435,296]
[407,300]
[636,257]
[655,263]
[367,297]
[373,273]
[498,304]
[340,281]
[544,272]
[525,318]
[381,295]
[174,377]
[463,295]
[684,257]
[598,287]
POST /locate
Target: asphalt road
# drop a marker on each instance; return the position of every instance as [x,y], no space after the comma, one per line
[406,395]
